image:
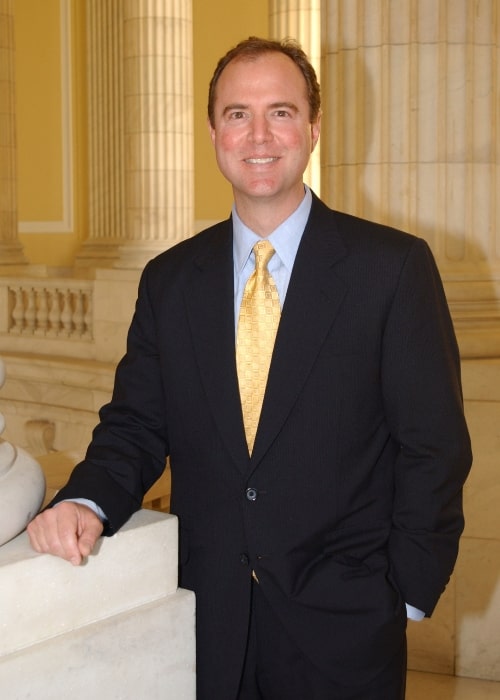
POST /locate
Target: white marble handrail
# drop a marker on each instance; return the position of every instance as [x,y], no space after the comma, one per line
[118,625]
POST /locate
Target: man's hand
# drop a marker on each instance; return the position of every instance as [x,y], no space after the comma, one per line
[68,530]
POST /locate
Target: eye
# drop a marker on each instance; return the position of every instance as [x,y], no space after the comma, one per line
[282,113]
[236,115]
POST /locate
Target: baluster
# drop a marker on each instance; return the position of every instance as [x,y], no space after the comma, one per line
[30,314]
[55,312]
[78,319]
[67,312]
[18,311]
[42,314]
[88,314]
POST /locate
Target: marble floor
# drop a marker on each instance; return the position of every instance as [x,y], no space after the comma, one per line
[431,686]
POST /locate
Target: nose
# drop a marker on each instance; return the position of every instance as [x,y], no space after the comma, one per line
[260,130]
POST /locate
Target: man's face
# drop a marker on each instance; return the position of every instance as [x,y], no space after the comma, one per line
[262,134]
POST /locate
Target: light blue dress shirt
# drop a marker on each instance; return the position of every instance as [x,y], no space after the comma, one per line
[285,240]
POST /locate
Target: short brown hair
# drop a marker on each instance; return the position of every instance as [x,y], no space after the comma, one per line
[251,48]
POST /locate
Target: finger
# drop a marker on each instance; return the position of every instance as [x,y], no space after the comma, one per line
[90,530]
[54,531]
[68,532]
[35,535]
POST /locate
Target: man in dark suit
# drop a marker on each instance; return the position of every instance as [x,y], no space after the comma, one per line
[307,548]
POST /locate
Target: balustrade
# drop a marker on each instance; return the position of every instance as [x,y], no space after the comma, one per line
[50,310]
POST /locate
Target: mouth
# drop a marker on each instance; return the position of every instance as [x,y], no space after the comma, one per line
[261,161]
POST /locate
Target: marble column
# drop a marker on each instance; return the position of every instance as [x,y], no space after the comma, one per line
[11,252]
[412,138]
[140,130]
[301,20]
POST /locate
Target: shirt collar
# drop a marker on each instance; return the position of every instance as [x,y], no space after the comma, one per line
[285,238]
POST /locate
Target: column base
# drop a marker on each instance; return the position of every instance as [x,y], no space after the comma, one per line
[129,256]
[12,254]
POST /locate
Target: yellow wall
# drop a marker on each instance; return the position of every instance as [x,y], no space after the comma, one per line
[217,26]
[40,151]
[38,109]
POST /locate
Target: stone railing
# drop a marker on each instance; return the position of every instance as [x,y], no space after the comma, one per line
[60,338]
[50,308]
[67,316]
[47,315]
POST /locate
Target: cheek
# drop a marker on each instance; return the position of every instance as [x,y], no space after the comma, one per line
[225,154]
[299,141]
[226,142]
[300,148]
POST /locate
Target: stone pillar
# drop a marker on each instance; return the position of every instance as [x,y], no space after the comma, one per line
[140,130]
[412,138]
[11,252]
[301,20]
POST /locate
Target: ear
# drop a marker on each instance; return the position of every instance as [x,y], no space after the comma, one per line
[315,132]
[211,131]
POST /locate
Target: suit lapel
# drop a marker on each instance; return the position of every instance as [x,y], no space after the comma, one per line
[313,298]
[210,305]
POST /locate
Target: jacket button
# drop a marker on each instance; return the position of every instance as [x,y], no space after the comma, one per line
[244,560]
[251,494]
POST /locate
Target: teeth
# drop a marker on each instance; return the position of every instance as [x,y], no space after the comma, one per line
[260,161]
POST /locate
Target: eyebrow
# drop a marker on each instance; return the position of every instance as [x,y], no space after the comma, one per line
[288,105]
[274,105]
[232,107]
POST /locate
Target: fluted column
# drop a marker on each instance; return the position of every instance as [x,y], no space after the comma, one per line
[301,20]
[140,129]
[413,137]
[11,252]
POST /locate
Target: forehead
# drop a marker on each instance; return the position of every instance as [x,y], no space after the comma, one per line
[269,72]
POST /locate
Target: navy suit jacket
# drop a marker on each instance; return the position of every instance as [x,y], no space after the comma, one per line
[360,456]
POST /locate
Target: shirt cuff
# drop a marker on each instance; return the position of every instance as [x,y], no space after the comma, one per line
[90,504]
[414,613]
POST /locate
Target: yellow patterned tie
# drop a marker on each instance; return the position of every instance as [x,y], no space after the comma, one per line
[259,318]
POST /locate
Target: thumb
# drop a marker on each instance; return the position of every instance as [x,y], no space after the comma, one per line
[89,535]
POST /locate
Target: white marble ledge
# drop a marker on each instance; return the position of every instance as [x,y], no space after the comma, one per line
[66,371]
[147,652]
[44,596]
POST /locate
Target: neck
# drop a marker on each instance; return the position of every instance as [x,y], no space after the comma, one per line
[263,216]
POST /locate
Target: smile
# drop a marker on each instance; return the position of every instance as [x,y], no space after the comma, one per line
[261,161]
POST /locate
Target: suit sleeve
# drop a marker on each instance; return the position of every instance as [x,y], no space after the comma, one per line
[129,445]
[423,403]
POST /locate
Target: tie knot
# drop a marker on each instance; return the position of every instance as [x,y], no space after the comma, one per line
[263,252]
